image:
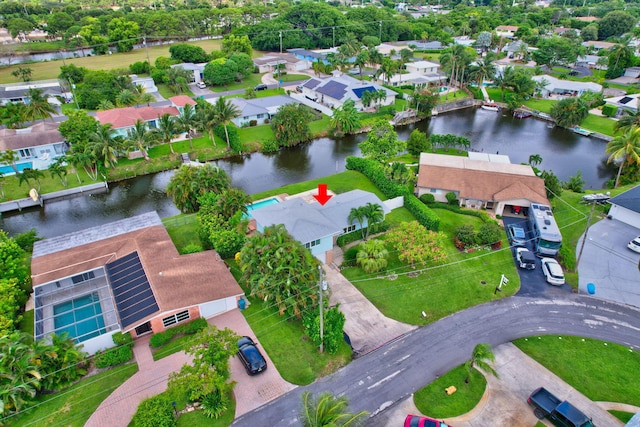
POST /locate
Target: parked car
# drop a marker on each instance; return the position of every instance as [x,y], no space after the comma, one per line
[261,86]
[517,236]
[201,85]
[634,245]
[299,88]
[525,258]
[546,404]
[552,271]
[250,356]
[418,421]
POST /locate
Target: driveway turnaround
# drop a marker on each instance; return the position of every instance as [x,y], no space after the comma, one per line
[609,264]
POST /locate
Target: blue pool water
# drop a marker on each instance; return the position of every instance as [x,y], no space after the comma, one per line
[81,317]
[262,204]
[7,170]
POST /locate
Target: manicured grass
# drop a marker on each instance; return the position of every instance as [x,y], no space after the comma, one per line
[399,215]
[26,324]
[600,370]
[73,406]
[255,134]
[164,90]
[434,402]
[177,344]
[293,354]
[452,97]
[51,69]
[269,92]
[338,183]
[543,105]
[286,78]
[183,230]
[250,81]
[625,417]
[438,290]
[598,124]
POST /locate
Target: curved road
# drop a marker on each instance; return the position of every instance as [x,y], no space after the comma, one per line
[388,375]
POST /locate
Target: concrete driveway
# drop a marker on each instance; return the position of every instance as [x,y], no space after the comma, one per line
[608,264]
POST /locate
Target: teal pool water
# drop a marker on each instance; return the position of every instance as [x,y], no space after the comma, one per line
[262,203]
[5,170]
[81,317]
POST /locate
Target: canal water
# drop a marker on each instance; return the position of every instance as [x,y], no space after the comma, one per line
[562,151]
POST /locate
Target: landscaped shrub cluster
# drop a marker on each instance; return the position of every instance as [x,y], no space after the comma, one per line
[457,209]
[190,328]
[490,233]
[350,255]
[113,356]
[375,172]
[452,199]
[156,411]
[427,198]
[333,328]
[609,110]
[354,236]
[464,237]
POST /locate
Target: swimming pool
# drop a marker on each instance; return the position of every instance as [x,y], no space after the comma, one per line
[8,170]
[80,317]
[262,203]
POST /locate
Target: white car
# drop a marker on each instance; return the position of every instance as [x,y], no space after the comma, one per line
[552,271]
[201,85]
[634,245]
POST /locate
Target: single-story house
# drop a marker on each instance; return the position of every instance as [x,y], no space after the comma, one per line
[19,92]
[625,207]
[424,45]
[590,61]
[633,72]
[597,45]
[508,31]
[123,119]
[562,30]
[423,67]
[179,101]
[464,41]
[36,147]
[126,276]
[564,88]
[146,83]
[197,70]
[309,55]
[625,102]
[480,181]
[269,62]
[314,225]
[335,90]
[415,79]
[259,109]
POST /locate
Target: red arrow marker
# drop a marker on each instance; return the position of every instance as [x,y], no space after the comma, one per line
[322,197]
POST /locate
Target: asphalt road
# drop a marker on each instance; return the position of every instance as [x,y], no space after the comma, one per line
[388,375]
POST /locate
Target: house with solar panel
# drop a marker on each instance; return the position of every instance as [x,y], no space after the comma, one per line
[126,276]
[335,90]
[314,225]
[624,103]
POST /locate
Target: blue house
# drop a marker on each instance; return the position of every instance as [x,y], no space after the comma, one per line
[314,225]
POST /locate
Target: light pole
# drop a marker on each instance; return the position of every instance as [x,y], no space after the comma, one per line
[586,231]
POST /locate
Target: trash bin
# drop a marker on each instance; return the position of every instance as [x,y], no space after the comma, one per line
[241,303]
[591,288]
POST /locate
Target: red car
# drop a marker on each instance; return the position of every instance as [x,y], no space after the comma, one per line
[418,421]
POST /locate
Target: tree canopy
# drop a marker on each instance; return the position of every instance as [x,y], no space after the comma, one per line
[382,142]
[190,182]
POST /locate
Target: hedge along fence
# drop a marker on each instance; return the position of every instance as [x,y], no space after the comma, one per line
[375,172]
[354,236]
[190,328]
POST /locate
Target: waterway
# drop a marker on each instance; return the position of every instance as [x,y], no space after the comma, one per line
[562,151]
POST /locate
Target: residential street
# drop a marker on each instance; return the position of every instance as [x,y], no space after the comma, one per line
[382,378]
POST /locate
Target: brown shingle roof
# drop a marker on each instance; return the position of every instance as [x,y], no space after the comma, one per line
[181,100]
[42,133]
[507,28]
[177,281]
[128,116]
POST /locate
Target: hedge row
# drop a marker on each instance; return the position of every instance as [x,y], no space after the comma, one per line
[354,236]
[375,172]
[113,356]
[484,217]
[190,328]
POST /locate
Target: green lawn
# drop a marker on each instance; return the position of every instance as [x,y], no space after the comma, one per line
[625,417]
[600,370]
[72,407]
[434,402]
[255,134]
[598,124]
[199,419]
[250,81]
[543,105]
[183,230]
[320,128]
[438,290]
[286,78]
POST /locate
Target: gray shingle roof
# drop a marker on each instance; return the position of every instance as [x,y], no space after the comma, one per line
[630,199]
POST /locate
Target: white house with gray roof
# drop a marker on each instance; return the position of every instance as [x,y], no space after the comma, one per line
[258,109]
[564,88]
[625,207]
[314,225]
[335,90]
[625,102]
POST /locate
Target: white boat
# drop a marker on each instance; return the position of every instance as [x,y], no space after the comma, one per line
[490,106]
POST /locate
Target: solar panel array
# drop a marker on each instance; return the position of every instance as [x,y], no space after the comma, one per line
[131,289]
[333,89]
[626,100]
[360,90]
[312,83]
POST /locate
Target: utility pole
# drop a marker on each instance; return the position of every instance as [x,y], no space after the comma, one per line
[322,285]
[334,36]
[380,31]
[146,48]
[586,231]
[280,41]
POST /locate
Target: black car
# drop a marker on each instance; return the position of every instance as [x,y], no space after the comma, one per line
[250,356]
[261,86]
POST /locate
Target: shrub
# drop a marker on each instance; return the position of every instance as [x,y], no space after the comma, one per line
[452,199]
[350,254]
[354,236]
[193,327]
[27,239]
[333,328]
[422,213]
[154,412]
[466,235]
[191,248]
[269,145]
[609,110]
[567,257]
[122,339]
[490,233]
[113,356]
[161,338]
[140,67]
[253,122]
[427,198]
[234,136]
[213,405]
[189,328]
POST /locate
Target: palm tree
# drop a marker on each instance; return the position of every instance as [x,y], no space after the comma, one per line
[177,79]
[224,112]
[346,119]
[105,104]
[367,98]
[357,215]
[20,378]
[14,113]
[57,169]
[126,98]
[361,60]
[9,157]
[38,106]
[139,138]
[627,121]
[374,214]
[535,160]
[102,143]
[166,130]
[28,174]
[625,149]
[481,357]
[230,201]
[1,185]
[484,69]
[187,121]
[372,256]
[328,411]
[505,79]
[76,159]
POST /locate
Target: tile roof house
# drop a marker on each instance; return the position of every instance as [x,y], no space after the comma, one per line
[123,119]
[316,226]
[480,181]
[180,101]
[36,147]
[597,45]
[335,90]
[564,88]
[625,102]
[126,276]
[259,109]
[625,207]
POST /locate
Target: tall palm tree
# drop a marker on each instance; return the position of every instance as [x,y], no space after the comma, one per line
[224,112]
[482,70]
[139,138]
[103,145]
[374,214]
[627,121]
[38,106]
[58,169]
[505,79]
[327,411]
[187,122]
[625,149]
[14,113]
[535,159]
[481,357]
[166,130]
[357,215]
[361,61]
